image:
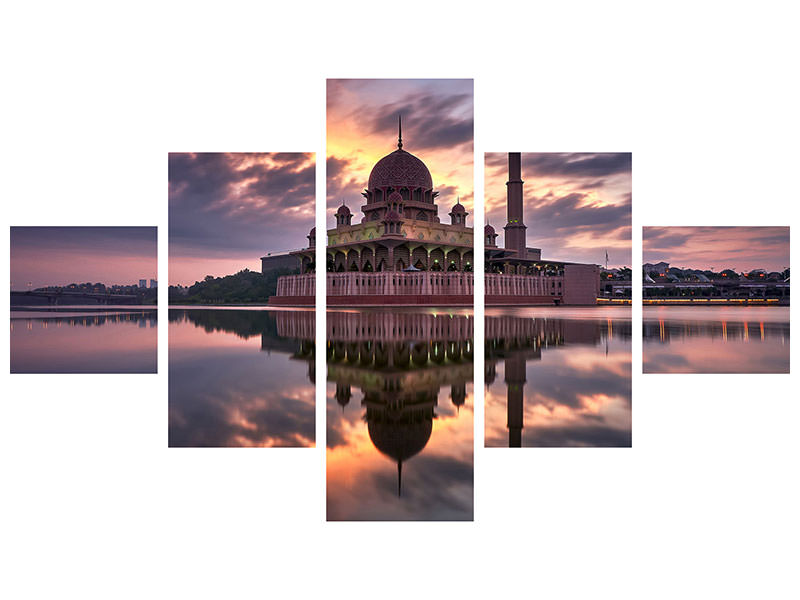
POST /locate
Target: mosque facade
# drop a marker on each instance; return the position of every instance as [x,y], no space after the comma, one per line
[401,253]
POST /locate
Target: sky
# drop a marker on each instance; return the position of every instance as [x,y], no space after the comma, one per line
[716,248]
[227,210]
[44,256]
[362,128]
[577,205]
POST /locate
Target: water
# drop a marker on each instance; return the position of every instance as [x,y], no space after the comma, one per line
[558,377]
[400,415]
[241,377]
[715,339]
[77,339]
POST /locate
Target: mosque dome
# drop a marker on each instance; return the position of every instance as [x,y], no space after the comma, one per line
[458,207]
[313,231]
[400,440]
[400,169]
[488,230]
[343,210]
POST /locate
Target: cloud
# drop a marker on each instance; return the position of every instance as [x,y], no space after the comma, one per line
[63,255]
[233,204]
[363,127]
[116,240]
[568,164]
[577,205]
[432,121]
[342,185]
[739,248]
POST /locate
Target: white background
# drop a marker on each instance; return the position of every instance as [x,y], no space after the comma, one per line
[94,505]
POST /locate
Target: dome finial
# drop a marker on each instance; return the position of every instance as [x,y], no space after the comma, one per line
[399,132]
[399,477]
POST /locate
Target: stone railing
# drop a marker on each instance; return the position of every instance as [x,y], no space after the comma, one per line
[389,283]
[296,285]
[498,284]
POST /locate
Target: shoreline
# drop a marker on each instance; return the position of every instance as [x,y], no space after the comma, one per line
[706,303]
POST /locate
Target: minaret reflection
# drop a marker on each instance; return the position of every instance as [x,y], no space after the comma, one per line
[518,340]
[400,362]
[515,382]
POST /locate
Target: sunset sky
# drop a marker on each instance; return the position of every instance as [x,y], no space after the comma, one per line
[362,129]
[717,248]
[577,205]
[45,256]
[226,211]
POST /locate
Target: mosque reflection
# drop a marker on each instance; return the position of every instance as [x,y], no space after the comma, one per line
[554,381]
[400,388]
[241,377]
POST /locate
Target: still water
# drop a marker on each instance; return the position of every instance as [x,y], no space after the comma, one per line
[77,339]
[558,377]
[241,377]
[400,415]
[715,339]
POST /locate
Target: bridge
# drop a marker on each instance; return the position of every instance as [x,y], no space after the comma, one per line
[53,298]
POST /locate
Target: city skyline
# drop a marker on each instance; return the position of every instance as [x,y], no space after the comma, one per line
[59,256]
[716,248]
[227,210]
[362,128]
[577,206]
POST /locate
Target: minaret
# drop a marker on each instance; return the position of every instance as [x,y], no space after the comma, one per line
[515,229]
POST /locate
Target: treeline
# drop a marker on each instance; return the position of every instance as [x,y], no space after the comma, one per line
[244,287]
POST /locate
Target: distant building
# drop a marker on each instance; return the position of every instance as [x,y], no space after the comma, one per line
[153,284]
[143,283]
[660,268]
[278,261]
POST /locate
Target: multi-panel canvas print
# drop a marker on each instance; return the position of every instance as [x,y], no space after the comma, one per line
[557,245]
[399,277]
[241,318]
[715,300]
[84,300]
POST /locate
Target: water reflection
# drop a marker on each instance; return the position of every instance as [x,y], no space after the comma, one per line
[718,339]
[558,377]
[400,422]
[84,340]
[241,377]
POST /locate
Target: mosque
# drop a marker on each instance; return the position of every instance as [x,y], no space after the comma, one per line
[402,254]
